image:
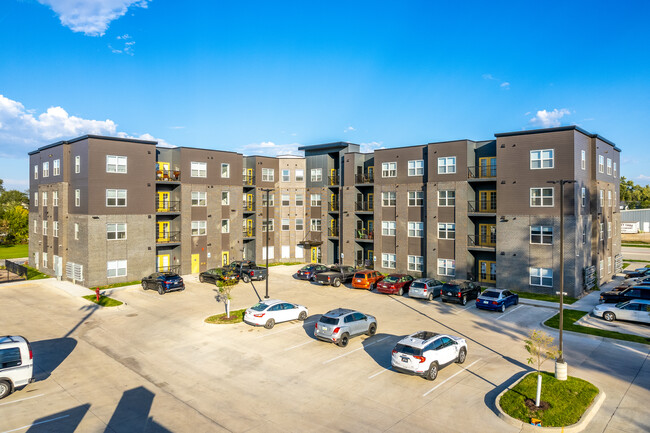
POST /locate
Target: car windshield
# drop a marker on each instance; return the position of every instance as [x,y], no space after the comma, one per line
[408,350]
[417,285]
[490,294]
[329,320]
[391,279]
[448,286]
[361,276]
[260,306]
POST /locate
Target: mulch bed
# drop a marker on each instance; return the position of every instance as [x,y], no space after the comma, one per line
[543,405]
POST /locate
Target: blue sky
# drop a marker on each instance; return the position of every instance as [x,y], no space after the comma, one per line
[266,77]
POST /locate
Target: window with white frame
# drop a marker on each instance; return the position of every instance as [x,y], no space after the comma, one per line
[77,197]
[583,159]
[269,225]
[44,198]
[300,225]
[36,199]
[268,175]
[46,169]
[583,195]
[609,265]
[225,198]
[55,198]
[36,257]
[416,198]
[316,174]
[388,228]
[315,225]
[115,197]
[416,263]
[446,198]
[56,167]
[446,231]
[271,200]
[300,175]
[300,252]
[35,225]
[45,260]
[447,165]
[315,200]
[601,200]
[541,277]
[299,200]
[388,169]
[76,231]
[55,229]
[225,226]
[286,175]
[44,224]
[388,261]
[541,197]
[285,224]
[541,235]
[540,159]
[199,198]
[388,198]
[77,164]
[602,232]
[268,250]
[601,164]
[601,267]
[286,200]
[614,170]
[447,267]
[36,172]
[199,228]
[115,231]
[584,234]
[286,252]
[609,166]
[199,169]
[116,268]
[115,164]
[416,167]
[225,170]
[609,229]
[609,198]
[415,229]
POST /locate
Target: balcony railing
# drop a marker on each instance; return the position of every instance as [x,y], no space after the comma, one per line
[249,206]
[482,171]
[333,232]
[169,268]
[364,234]
[168,238]
[487,241]
[333,206]
[364,178]
[248,233]
[249,179]
[481,206]
[168,206]
[332,180]
[168,175]
[363,206]
[363,264]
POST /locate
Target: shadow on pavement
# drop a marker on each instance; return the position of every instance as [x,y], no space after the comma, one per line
[309,324]
[375,346]
[490,397]
[65,421]
[132,413]
[49,354]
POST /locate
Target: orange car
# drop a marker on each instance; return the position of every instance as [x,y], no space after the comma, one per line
[366,279]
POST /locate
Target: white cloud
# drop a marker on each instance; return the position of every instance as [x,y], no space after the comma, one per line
[549,119]
[505,85]
[349,129]
[149,137]
[176,127]
[643,177]
[91,17]
[269,148]
[369,147]
[126,45]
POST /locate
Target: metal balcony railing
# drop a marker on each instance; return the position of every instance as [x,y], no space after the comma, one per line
[333,180]
[168,206]
[363,206]
[333,232]
[488,241]
[364,178]
[482,171]
[363,264]
[482,206]
[248,233]
[249,179]
[169,268]
[364,234]
[168,175]
[333,206]
[169,237]
[249,206]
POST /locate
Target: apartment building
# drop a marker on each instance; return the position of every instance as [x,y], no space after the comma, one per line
[481,210]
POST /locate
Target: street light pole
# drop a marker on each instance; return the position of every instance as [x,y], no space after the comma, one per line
[267,190]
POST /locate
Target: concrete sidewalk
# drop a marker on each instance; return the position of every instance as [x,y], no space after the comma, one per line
[586,303]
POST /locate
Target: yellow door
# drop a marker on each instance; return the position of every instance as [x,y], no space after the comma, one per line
[487,271]
[163,262]
[163,231]
[162,166]
[334,202]
[371,255]
[371,172]
[249,227]
[249,176]
[249,202]
[487,201]
[487,235]
[314,254]
[225,258]
[487,167]
[371,201]
[334,225]
[195,264]
[163,201]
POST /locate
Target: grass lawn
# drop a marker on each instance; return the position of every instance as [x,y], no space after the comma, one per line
[568,399]
[284,264]
[14,252]
[572,316]
[235,317]
[104,301]
[627,244]
[112,286]
[33,274]
[544,297]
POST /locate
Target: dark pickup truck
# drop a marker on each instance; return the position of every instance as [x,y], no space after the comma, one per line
[248,270]
[634,292]
[336,275]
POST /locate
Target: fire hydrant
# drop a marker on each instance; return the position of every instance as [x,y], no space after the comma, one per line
[97,293]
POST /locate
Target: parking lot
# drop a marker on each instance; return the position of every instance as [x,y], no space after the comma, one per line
[153,365]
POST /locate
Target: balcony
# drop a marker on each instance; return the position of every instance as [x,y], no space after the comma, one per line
[168,206]
[333,232]
[168,176]
[482,206]
[364,235]
[486,242]
[248,233]
[169,268]
[488,171]
[333,180]
[168,237]
[364,178]
[363,206]
[333,206]
[249,180]
[249,206]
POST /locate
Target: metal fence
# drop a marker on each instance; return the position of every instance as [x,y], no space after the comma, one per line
[13,268]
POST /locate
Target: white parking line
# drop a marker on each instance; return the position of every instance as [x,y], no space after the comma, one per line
[286,329]
[442,383]
[22,399]
[36,423]
[299,345]
[383,371]
[463,309]
[352,351]
[505,314]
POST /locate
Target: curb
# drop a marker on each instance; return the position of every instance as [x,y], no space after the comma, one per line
[581,334]
[574,428]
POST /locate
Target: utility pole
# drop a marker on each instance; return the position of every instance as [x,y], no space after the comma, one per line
[267,190]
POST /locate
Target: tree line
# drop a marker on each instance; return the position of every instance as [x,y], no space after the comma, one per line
[14,216]
[635,196]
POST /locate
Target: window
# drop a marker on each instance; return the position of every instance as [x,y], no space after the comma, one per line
[541,235]
[446,198]
[44,228]
[225,170]
[299,200]
[116,268]
[199,228]
[388,228]
[46,169]
[286,252]
[609,265]
[36,172]
[268,175]
[614,169]
[286,200]
[56,167]
[115,197]
[583,159]
[447,267]
[415,263]
[77,164]
[115,231]
[44,257]
[541,277]
[199,169]
[609,229]
[225,226]
[446,231]
[35,226]
[388,198]
[601,163]
[541,159]
[601,267]
[270,225]
[55,229]
[199,198]
[271,200]
[315,200]
[300,175]
[315,225]
[415,229]
[55,198]
[115,164]
[447,165]
[609,166]
[416,198]
[299,225]
[583,194]
[268,250]
[10,357]
[44,198]
[584,234]
[602,198]
[36,199]
[541,197]
[225,198]
[300,253]
[76,231]
[416,168]
[77,197]
[285,226]
[286,175]
[388,261]
[388,169]
[602,233]
[316,174]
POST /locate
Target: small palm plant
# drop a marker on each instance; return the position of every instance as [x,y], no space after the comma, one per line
[540,346]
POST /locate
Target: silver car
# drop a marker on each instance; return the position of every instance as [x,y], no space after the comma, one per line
[637,310]
[425,288]
[337,326]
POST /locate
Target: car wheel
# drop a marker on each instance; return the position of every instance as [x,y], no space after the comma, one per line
[246,279]
[344,340]
[144,286]
[401,292]
[269,324]
[372,287]
[161,291]
[430,296]
[5,389]
[516,300]
[503,307]
[302,315]
[461,356]
[201,279]
[464,300]
[372,329]
[432,372]
[609,316]
[336,282]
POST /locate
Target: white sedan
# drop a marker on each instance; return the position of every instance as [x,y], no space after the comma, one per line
[271,311]
[637,310]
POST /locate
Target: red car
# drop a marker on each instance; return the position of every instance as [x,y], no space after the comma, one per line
[395,284]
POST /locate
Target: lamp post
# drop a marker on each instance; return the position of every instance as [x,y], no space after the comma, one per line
[560,365]
[267,191]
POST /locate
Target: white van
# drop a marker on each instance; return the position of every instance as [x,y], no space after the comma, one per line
[16,364]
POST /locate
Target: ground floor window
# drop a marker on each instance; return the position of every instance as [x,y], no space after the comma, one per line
[447,267]
[541,277]
[116,268]
[286,251]
[300,252]
[416,263]
[388,261]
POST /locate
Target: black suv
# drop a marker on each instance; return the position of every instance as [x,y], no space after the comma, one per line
[634,292]
[459,291]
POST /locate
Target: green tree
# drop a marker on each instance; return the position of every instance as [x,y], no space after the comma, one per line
[635,196]
[540,347]
[14,225]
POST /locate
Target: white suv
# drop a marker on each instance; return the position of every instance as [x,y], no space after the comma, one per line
[424,353]
[16,364]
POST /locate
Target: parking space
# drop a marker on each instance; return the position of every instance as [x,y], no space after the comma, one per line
[626,327]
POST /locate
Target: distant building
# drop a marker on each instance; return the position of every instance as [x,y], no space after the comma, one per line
[642,216]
